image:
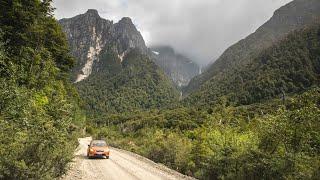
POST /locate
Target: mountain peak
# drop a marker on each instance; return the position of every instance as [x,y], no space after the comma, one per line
[93,12]
[126,20]
[99,35]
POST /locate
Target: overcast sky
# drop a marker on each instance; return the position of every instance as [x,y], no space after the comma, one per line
[200,29]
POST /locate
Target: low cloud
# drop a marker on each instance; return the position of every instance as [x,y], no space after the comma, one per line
[201,29]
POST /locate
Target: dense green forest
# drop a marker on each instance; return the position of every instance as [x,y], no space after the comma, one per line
[257,121]
[293,16]
[260,121]
[39,111]
[275,140]
[290,66]
[136,83]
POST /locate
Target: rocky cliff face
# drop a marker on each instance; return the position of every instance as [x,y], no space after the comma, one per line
[178,67]
[114,71]
[89,34]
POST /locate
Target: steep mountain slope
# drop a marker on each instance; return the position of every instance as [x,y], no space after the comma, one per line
[178,67]
[288,18]
[290,66]
[124,86]
[114,72]
[88,34]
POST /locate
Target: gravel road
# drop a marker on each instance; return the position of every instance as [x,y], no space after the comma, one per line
[121,165]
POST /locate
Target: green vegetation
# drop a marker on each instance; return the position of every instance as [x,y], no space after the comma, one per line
[235,127]
[134,84]
[260,121]
[290,66]
[225,142]
[39,112]
[294,16]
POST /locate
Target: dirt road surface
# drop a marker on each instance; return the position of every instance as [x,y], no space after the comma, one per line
[121,165]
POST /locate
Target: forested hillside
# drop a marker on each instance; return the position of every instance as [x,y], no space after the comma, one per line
[290,66]
[114,73]
[275,135]
[274,140]
[39,111]
[293,16]
[254,114]
[136,83]
[256,120]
